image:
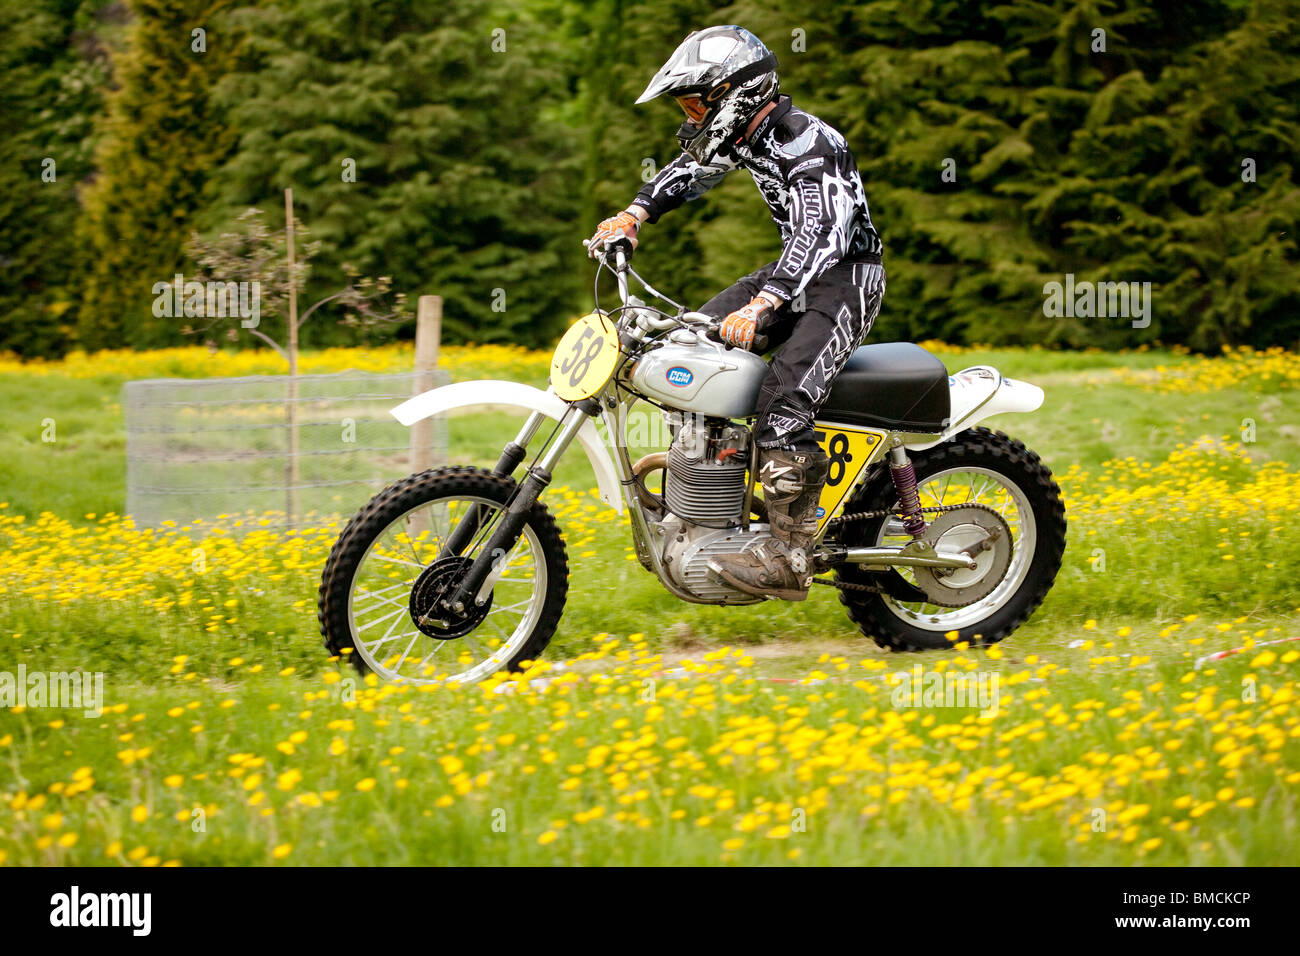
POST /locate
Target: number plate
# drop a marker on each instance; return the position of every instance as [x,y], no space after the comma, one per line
[585,358]
[850,451]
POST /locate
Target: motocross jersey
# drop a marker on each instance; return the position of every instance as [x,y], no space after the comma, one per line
[806,174]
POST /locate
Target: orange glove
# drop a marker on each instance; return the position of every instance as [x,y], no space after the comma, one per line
[624,225]
[739,328]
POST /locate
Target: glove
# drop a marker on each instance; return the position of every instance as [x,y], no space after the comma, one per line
[622,226]
[739,328]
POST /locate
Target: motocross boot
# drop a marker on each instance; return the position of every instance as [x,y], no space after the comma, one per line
[781,566]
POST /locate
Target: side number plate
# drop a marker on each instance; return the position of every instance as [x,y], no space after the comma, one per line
[850,451]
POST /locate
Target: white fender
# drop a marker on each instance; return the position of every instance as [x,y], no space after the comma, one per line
[980,392]
[516,395]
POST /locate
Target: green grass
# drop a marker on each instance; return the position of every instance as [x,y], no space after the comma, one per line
[1199,768]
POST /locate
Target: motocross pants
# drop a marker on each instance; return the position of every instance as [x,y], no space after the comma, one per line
[812,336]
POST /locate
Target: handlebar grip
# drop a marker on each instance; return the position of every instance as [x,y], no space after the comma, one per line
[608,248]
[624,244]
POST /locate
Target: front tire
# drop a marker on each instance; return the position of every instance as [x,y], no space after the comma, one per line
[1029,498]
[374,604]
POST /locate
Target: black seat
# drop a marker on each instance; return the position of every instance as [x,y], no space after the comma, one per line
[891,385]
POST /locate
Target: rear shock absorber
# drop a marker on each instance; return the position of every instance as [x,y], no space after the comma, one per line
[909,500]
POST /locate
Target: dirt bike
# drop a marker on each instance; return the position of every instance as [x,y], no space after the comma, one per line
[931,529]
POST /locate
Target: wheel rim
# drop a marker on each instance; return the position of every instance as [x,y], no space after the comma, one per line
[964,486]
[385,635]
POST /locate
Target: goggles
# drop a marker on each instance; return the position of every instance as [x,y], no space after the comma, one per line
[693,106]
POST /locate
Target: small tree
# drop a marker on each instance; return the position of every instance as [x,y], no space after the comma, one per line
[269,261]
[255,253]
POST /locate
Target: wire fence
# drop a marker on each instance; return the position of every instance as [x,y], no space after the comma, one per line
[217,448]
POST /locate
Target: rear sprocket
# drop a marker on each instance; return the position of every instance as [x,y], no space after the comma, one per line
[981,533]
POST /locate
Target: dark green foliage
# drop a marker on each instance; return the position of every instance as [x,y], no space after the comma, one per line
[53,65]
[160,138]
[480,170]
[466,182]
[1122,165]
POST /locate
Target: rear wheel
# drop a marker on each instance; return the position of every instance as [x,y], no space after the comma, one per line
[980,467]
[379,602]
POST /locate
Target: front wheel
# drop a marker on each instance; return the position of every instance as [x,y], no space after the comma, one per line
[979,467]
[379,602]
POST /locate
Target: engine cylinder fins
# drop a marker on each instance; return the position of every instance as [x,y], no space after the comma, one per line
[707,491]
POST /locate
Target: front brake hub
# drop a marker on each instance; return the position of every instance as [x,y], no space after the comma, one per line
[435,585]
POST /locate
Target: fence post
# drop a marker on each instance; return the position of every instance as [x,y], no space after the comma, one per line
[428,336]
[293,475]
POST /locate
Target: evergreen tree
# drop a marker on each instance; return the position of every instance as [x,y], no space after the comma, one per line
[53,64]
[1113,160]
[422,143]
[1193,185]
[161,138]
[466,148]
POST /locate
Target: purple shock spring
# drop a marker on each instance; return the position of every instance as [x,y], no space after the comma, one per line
[909,500]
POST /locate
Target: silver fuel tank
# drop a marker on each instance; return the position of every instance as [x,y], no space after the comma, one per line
[701,376]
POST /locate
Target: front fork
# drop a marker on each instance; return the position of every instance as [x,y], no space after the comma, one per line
[506,534]
[511,456]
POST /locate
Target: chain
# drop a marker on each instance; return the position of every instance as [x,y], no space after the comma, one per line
[861,516]
[849,586]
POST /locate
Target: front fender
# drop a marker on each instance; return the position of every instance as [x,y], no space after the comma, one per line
[525,397]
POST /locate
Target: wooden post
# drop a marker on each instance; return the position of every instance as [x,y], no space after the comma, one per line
[292,471]
[428,338]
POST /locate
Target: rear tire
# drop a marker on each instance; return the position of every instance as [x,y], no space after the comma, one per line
[882,618]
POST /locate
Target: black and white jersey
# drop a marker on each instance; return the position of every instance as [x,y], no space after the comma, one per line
[806,173]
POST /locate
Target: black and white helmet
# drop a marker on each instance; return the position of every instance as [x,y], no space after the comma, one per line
[720,78]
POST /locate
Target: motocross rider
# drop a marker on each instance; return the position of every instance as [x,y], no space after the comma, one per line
[816,303]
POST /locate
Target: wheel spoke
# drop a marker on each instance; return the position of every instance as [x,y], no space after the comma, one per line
[388,635]
[407,653]
[509,609]
[409,564]
[379,598]
[381,620]
[419,668]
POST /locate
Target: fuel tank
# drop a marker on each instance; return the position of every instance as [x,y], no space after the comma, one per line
[701,377]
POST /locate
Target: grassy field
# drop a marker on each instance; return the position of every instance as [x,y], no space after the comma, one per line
[672,733]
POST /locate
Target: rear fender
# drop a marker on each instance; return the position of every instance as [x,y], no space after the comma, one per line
[980,392]
[496,395]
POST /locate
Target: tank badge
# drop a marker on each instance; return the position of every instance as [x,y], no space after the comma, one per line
[680,376]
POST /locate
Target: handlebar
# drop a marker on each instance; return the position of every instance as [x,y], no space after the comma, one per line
[621,250]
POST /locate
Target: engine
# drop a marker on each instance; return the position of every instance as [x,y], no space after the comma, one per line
[706,466]
[704,497]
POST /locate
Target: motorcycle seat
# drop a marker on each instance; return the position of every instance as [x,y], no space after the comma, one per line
[895,385]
